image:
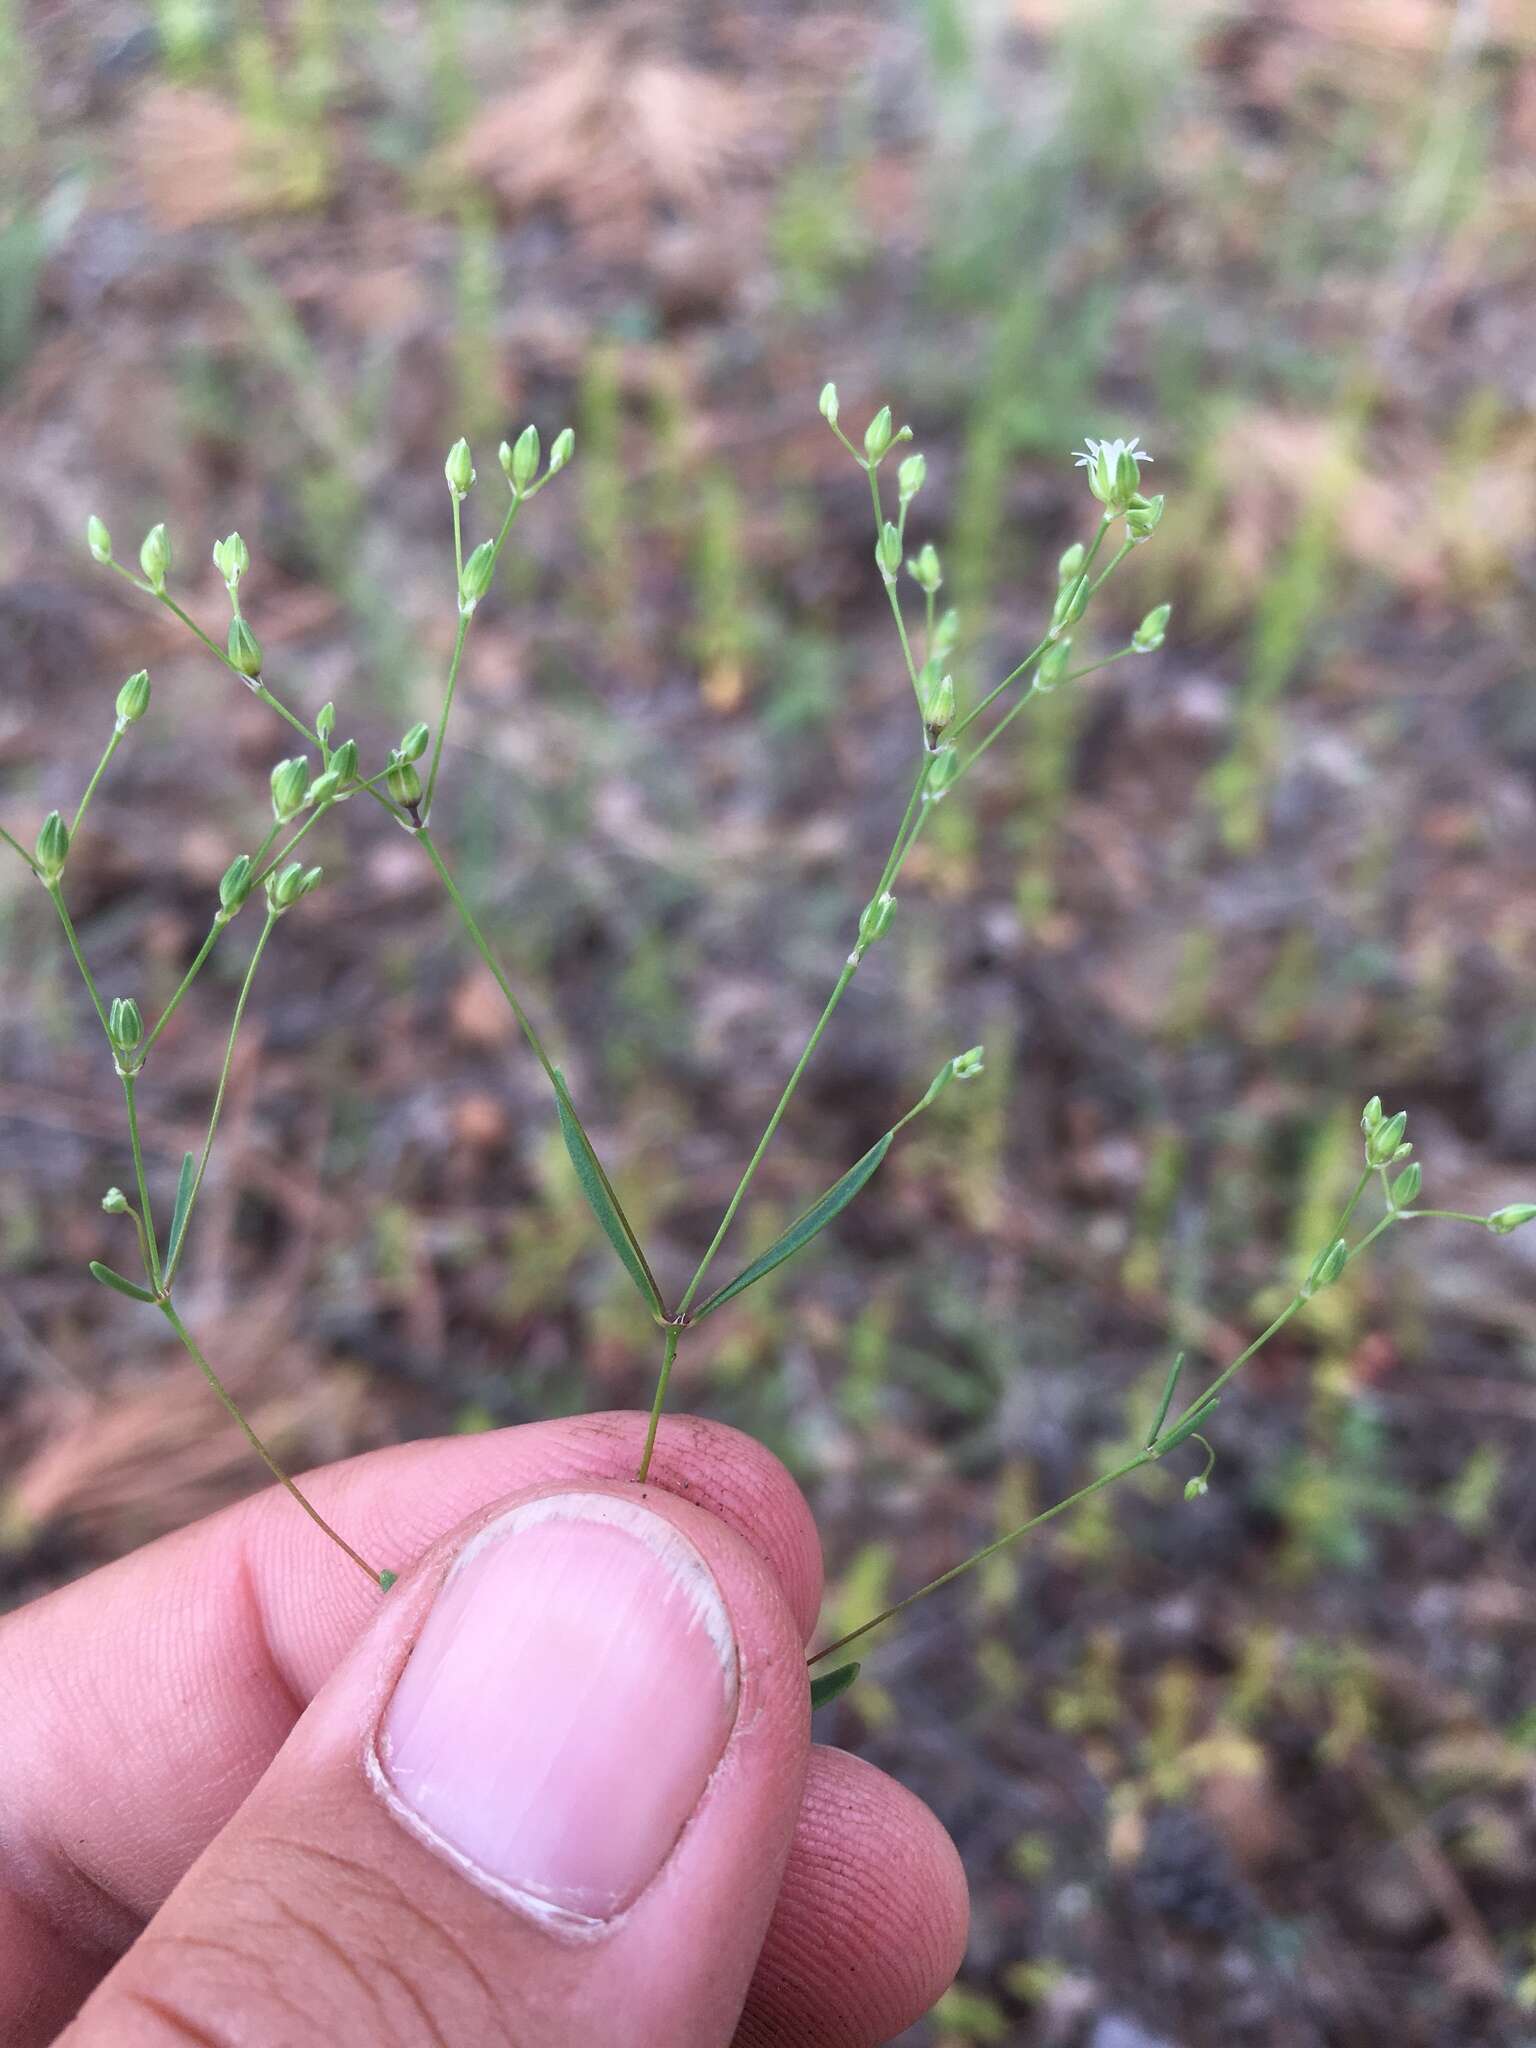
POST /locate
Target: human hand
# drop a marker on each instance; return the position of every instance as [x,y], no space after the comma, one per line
[554,1788]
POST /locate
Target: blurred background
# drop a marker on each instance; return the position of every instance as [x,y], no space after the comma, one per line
[1257,1770]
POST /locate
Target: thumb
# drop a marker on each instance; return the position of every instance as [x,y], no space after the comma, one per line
[546,1799]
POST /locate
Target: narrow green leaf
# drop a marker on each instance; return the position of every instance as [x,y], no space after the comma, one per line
[1167,1401]
[800,1232]
[831,1683]
[603,1201]
[184,1187]
[116,1281]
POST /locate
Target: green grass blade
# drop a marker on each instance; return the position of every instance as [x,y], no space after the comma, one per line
[831,1683]
[800,1232]
[118,1284]
[184,1188]
[604,1203]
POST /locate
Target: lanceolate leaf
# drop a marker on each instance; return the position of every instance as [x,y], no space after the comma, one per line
[116,1281]
[184,1187]
[604,1202]
[831,1683]
[800,1232]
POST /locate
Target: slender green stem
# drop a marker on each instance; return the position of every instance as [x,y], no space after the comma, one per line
[150,1244]
[458,538]
[1445,1215]
[215,931]
[1175,1433]
[90,787]
[144,1252]
[167,1309]
[1110,566]
[458,642]
[79,958]
[980,1557]
[16,847]
[443,716]
[850,968]
[218,1099]
[668,1359]
[891,591]
[482,946]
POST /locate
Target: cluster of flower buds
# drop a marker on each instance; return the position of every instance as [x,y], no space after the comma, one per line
[286,885]
[519,459]
[1384,1142]
[115,1202]
[402,780]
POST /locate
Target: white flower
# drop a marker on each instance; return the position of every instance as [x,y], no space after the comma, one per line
[1114,472]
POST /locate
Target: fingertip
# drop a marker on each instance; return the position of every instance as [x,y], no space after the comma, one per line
[872,1918]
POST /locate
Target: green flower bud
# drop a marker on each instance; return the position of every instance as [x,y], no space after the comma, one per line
[115,1202]
[826,405]
[938,694]
[965,1066]
[1325,1269]
[1070,567]
[459,469]
[563,450]
[235,884]
[325,722]
[52,847]
[925,570]
[155,557]
[878,435]
[403,783]
[1506,1220]
[1052,672]
[231,557]
[1383,1142]
[1142,516]
[414,745]
[133,700]
[1148,636]
[476,578]
[344,761]
[1404,1191]
[1071,603]
[125,1026]
[97,539]
[1196,1488]
[875,919]
[522,465]
[244,650]
[322,789]
[888,550]
[290,786]
[1371,1115]
[911,476]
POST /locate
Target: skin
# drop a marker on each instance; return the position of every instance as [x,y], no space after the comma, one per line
[190,1852]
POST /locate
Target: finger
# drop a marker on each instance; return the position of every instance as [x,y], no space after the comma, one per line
[143,1703]
[871,1920]
[548,1797]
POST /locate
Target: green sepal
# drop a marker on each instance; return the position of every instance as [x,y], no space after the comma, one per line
[831,1683]
[118,1284]
[804,1228]
[604,1203]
